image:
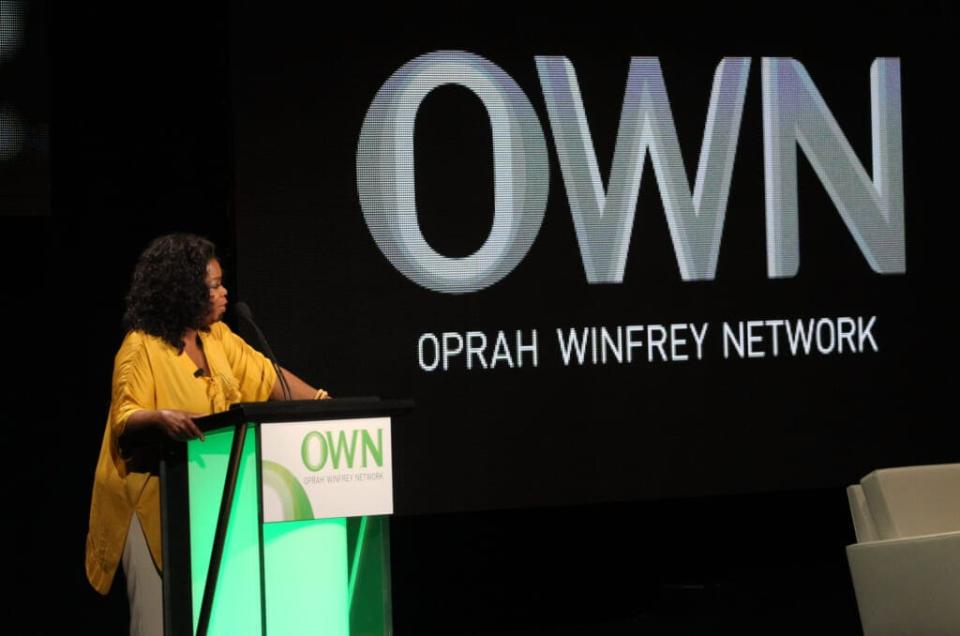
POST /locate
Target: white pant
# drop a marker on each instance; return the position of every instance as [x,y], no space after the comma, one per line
[144,584]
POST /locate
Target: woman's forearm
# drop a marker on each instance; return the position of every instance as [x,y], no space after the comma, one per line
[299,390]
[175,424]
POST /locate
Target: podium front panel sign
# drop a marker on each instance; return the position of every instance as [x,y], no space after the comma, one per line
[326,469]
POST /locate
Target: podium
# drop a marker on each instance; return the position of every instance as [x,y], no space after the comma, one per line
[276,523]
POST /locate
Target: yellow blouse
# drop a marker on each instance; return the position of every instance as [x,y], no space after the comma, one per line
[148,373]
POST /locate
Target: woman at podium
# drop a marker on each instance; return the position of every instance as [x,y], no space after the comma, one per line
[178,361]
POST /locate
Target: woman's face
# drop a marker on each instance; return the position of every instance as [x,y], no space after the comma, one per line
[218,293]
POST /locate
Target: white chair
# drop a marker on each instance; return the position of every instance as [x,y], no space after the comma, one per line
[906,562]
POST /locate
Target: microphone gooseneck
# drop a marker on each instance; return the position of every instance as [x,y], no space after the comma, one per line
[243,310]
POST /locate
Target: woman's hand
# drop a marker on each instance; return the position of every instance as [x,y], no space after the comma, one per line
[178,425]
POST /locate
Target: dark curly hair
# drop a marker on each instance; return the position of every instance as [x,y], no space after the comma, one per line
[168,293]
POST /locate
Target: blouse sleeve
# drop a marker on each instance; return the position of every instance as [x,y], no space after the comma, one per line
[133,383]
[253,371]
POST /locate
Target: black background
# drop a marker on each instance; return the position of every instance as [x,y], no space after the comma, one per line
[142,120]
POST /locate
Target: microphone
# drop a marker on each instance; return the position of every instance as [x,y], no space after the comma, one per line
[198,373]
[243,310]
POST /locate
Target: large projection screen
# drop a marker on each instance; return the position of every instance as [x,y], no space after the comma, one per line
[609,260]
